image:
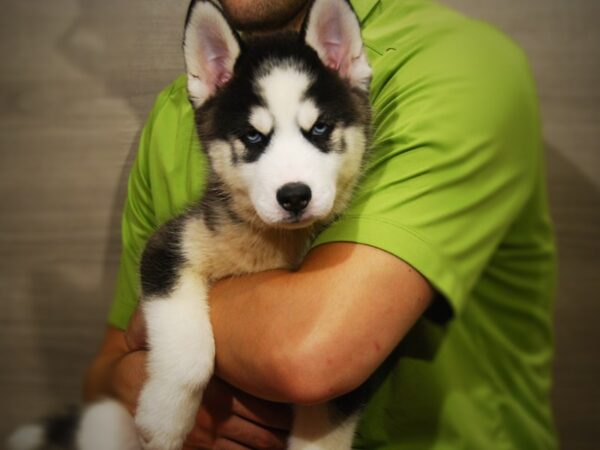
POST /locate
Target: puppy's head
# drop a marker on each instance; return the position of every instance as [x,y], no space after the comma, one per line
[283,117]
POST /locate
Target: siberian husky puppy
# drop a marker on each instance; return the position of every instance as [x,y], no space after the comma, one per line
[284,121]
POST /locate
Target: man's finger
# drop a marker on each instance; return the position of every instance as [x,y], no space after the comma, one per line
[226,444]
[238,430]
[245,432]
[277,416]
[220,396]
[221,444]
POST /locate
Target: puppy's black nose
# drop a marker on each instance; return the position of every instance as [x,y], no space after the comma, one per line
[294,197]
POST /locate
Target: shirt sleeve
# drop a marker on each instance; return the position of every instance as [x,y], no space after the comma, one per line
[455,144]
[138,223]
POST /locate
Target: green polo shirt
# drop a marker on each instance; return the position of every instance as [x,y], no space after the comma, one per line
[455,187]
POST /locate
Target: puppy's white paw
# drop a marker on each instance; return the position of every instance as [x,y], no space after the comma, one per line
[159,436]
[165,415]
[107,425]
[156,442]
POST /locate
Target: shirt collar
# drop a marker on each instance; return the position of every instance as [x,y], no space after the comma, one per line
[363,7]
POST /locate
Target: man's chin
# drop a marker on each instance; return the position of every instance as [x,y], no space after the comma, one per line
[263,15]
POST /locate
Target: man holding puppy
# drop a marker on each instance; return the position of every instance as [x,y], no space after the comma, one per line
[445,257]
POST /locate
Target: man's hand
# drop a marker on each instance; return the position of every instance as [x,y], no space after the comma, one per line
[228,419]
[232,420]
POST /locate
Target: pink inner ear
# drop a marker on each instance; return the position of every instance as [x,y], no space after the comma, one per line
[333,55]
[217,72]
[331,38]
[216,57]
[224,78]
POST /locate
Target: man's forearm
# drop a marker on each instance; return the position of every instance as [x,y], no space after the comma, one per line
[311,335]
[97,380]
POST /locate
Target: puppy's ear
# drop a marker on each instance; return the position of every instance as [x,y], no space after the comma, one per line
[210,47]
[333,30]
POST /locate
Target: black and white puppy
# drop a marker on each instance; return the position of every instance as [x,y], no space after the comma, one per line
[284,121]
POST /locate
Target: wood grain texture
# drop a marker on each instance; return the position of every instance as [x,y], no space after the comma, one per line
[77,79]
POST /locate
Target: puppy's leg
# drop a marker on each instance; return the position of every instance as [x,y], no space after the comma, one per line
[318,428]
[180,363]
[107,425]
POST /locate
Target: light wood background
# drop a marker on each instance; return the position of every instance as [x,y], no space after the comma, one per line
[77,78]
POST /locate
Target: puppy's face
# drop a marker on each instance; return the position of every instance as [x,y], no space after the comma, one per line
[285,133]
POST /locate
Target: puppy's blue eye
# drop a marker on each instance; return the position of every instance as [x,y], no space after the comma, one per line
[253,137]
[320,129]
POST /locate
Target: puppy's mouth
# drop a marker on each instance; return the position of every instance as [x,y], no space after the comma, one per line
[296,221]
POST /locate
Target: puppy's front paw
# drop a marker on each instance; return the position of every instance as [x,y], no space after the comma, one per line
[165,415]
[149,441]
[158,433]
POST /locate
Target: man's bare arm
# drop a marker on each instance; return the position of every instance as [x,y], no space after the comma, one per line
[299,337]
[312,335]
